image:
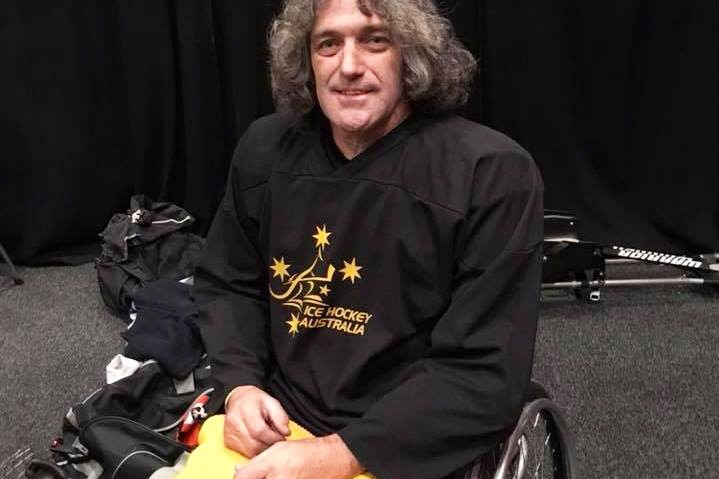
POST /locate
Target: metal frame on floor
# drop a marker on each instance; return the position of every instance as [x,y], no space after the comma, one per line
[13,272]
[573,264]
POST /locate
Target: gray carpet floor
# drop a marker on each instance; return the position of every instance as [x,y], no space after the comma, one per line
[637,374]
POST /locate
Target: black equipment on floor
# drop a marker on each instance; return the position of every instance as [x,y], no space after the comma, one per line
[574,264]
[9,266]
[150,241]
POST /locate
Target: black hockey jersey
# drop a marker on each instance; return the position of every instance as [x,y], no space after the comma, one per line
[392,298]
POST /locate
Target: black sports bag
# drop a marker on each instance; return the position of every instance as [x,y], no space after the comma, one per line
[150,241]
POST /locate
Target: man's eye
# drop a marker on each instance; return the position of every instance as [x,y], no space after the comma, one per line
[377,42]
[327,46]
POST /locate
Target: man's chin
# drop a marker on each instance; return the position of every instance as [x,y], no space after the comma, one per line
[354,123]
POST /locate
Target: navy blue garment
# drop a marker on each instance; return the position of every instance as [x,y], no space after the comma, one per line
[163,329]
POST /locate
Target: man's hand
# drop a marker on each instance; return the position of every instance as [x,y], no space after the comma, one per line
[254,421]
[324,457]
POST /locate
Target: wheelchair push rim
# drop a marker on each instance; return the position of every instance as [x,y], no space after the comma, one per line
[516,463]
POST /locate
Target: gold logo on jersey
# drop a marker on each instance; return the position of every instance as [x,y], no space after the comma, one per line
[305,293]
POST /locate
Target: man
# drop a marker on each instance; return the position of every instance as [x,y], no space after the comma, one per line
[373,271]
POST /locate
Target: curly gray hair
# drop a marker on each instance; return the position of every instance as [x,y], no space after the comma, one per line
[437,69]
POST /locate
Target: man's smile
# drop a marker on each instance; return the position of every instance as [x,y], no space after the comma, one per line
[352,91]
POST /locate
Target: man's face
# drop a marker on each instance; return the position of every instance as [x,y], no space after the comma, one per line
[357,69]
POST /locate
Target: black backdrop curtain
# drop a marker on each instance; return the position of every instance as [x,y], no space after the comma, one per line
[102,100]
[617,102]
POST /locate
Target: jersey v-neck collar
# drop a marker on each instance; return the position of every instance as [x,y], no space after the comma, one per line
[333,162]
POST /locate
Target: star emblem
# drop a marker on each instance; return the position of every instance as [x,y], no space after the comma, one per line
[294,330]
[322,237]
[351,271]
[280,268]
[324,290]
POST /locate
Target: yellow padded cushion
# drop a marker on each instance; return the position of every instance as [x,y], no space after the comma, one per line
[212,459]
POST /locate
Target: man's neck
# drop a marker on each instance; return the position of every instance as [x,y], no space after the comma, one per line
[352,143]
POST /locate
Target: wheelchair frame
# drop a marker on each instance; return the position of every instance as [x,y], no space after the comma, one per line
[508,461]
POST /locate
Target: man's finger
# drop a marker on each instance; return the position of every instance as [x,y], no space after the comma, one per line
[251,445]
[276,416]
[251,471]
[260,430]
[239,439]
[244,472]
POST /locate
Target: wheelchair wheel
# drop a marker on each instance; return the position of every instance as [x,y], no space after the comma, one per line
[539,447]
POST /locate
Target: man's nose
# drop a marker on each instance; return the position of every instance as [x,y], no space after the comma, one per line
[352,61]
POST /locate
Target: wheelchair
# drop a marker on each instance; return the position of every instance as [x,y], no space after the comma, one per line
[539,447]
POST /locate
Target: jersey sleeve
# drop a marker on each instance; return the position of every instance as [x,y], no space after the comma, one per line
[462,398]
[231,290]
